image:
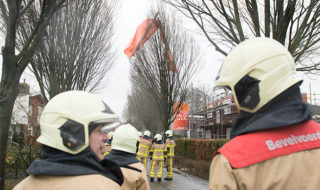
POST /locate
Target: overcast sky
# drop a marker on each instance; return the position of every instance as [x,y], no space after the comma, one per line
[131,14]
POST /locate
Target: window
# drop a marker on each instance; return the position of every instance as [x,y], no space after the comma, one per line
[227,110]
[200,133]
[208,134]
[30,110]
[30,129]
[217,116]
[39,113]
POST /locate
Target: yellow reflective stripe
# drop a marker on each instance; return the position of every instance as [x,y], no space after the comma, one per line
[160,171]
[144,153]
[158,150]
[105,154]
[144,145]
[152,174]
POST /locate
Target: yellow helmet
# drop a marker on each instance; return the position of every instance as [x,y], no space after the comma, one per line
[125,138]
[257,70]
[68,118]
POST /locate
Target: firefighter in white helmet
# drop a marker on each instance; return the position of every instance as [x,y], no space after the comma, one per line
[107,144]
[123,151]
[157,153]
[273,141]
[144,148]
[170,144]
[72,145]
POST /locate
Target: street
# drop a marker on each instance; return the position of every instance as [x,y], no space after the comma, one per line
[181,180]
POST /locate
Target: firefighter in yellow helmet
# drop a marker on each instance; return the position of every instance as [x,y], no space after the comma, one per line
[157,153]
[274,144]
[107,144]
[170,144]
[144,148]
[72,146]
[123,151]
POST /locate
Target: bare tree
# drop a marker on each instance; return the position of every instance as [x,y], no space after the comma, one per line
[294,23]
[199,98]
[141,109]
[76,53]
[14,63]
[151,67]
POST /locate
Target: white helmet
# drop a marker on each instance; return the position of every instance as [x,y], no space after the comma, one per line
[257,70]
[110,134]
[158,137]
[125,138]
[147,133]
[168,133]
[68,118]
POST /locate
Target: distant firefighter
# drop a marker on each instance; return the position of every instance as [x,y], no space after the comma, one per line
[170,144]
[157,153]
[144,148]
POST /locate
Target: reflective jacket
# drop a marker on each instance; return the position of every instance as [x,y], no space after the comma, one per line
[170,144]
[284,158]
[158,151]
[144,148]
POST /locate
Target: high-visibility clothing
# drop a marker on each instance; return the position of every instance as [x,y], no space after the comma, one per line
[282,158]
[144,148]
[156,167]
[170,144]
[169,163]
[158,151]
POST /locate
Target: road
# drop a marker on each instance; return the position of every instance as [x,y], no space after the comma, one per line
[181,181]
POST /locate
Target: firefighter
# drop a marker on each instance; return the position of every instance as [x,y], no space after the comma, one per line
[274,144]
[170,144]
[72,146]
[144,148]
[157,153]
[107,145]
[124,148]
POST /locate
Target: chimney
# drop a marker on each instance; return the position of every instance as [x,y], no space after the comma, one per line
[24,88]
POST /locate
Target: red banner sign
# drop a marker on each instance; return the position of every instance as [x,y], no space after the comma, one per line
[182,121]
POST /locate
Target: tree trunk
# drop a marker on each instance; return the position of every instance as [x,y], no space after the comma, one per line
[8,92]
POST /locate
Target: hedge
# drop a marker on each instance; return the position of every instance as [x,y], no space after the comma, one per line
[194,155]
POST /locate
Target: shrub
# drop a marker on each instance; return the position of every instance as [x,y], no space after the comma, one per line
[189,152]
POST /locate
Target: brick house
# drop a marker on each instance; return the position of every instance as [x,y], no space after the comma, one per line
[218,119]
[26,115]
